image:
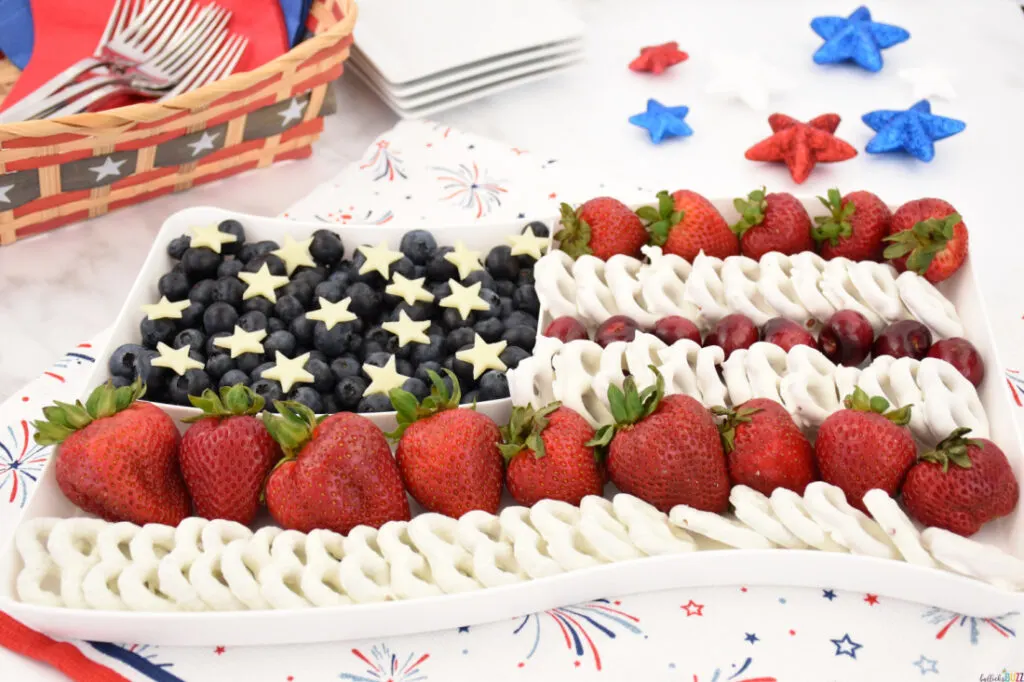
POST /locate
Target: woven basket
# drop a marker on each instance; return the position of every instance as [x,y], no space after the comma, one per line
[57,171]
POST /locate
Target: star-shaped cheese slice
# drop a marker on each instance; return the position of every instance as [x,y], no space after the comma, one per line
[262,283]
[289,371]
[465,260]
[332,313]
[176,359]
[528,244]
[383,379]
[483,356]
[295,253]
[408,330]
[211,237]
[164,309]
[464,299]
[409,290]
[242,341]
[378,258]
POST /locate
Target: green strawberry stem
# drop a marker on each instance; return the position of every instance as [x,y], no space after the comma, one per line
[63,419]
[629,406]
[574,237]
[661,220]
[751,210]
[952,448]
[233,401]
[923,241]
[860,401]
[408,410]
[733,418]
[292,427]
[524,430]
[835,225]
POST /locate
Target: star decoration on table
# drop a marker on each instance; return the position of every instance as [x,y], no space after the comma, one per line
[464,259]
[692,608]
[483,356]
[751,637]
[295,254]
[926,665]
[109,168]
[165,310]
[383,379]
[656,58]
[828,594]
[802,145]
[871,599]
[242,341]
[662,122]
[289,371]
[846,646]
[913,131]
[378,258]
[926,82]
[856,39]
[464,299]
[211,237]
[262,283]
[408,330]
[204,143]
[409,290]
[528,244]
[749,78]
[332,313]
[175,359]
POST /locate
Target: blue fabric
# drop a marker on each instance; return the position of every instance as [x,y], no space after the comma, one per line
[295,12]
[16,31]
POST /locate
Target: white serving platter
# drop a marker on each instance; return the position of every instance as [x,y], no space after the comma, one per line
[711,567]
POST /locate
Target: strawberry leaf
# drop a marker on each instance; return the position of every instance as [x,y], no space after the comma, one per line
[751,211]
[574,237]
[648,213]
[836,224]
[62,419]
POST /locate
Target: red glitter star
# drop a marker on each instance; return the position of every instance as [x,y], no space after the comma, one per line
[219,650]
[801,145]
[657,58]
[871,599]
[692,608]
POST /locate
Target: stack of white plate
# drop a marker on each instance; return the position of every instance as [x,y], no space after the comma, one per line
[425,57]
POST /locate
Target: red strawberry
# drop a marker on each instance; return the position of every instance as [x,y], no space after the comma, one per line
[226,454]
[602,227]
[448,457]
[765,450]
[337,472]
[772,222]
[664,449]
[855,227]
[117,458]
[929,237]
[548,456]
[686,224]
[977,488]
[864,447]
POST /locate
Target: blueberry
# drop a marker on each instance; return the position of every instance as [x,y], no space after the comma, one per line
[276,325]
[490,330]
[419,271]
[270,390]
[525,299]
[439,290]
[404,267]
[307,396]
[365,301]
[173,285]
[378,402]
[219,365]
[310,276]
[341,275]
[122,360]
[230,268]
[280,341]
[229,290]
[262,248]
[345,366]
[247,362]
[452,319]
[493,385]
[417,387]
[232,226]
[252,321]
[506,306]
[378,359]
[202,291]
[481,276]
[539,229]
[463,370]
[178,267]
[178,246]
[233,378]
[349,391]
[298,289]
[427,352]
[501,263]
[219,317]
[371,277]
[525,277]
[302,329]
[332,291]
[379,336]
[418,246]
[521,336]
[257,373]
[503,287]
[436,329]
[331,405]
[288,308]
[258,303]
[326,247]
[323,378]
[470,398]
[459,337]
[247,252]
[119,382]
[189,337]
[192,316]
[212,348]
[155,378]
[317,355]
[192,382]
[274,264]
[518,317]
[334,341]
[370,347]
[201,263]
[424,367]
[493,302]
[440,270]
[418,311]
[157,331]
[512,356]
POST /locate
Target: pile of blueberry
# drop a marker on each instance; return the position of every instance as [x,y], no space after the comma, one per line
[210,282]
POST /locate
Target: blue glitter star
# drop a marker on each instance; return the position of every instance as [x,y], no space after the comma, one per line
[851,652]
[751,637]
[661,121]
[855,38]
[912,131]
[828,594]
[927,665]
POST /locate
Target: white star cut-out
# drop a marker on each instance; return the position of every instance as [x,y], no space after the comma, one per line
[464,299]
[928,82]
[3,193]
[211,237]
[241,341]
[262,283]
[176,359]
[408,330]
[382,379]
[464,259]
[289,371]
[332,313]
[292,113]
[109,168]
[295,253]
[378,258]
[528,244]
[409,290]
[165,310]
[483,356]
[747,78]
[203,143]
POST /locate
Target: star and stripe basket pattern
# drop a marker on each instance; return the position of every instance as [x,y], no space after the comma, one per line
[58,171]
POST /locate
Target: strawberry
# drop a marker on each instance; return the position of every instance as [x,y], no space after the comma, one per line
[448,457]
[337,472]
[226,454]
[686,224]
[664,449]
[548,456]
[978,487]
[765,450]
[117,458]
[772,222]
[864,447]
[929,237]
[602,227]
[854,228]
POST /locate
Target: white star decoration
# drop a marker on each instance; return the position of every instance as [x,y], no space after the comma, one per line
[745,77]
[109,168]
[528,244]
[464,299]
[332,313]
[242,341]
[204,143]
[295,253]
[3,193]
[409,290]
[378,258]
[175,359]
[383,379]
[928,82]
[483,356]
[164,309]
[262,283]
[292,113]
[465,260]
[289,371]
[408,330]
[211,237]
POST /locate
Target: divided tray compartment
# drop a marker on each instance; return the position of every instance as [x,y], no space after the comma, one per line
[777,567]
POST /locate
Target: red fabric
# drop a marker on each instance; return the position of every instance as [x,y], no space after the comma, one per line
[60,655]
[68,30]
